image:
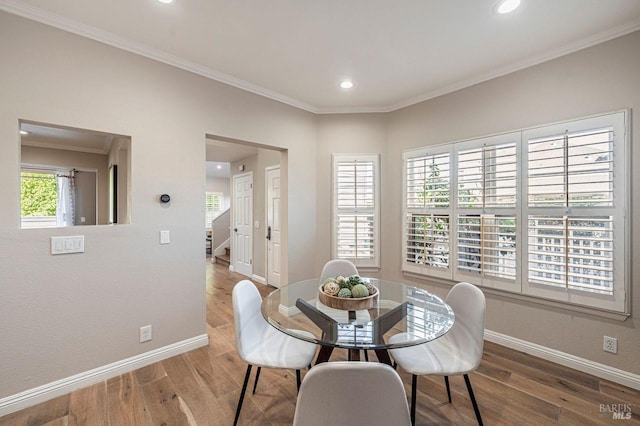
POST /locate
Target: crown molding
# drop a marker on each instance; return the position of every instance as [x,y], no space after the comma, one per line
[19,8]
[520,65]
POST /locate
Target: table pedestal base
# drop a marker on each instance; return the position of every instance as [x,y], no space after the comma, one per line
[354,355]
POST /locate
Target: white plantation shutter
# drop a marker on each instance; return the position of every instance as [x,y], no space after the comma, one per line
[356,210]
[576,211]
[487,246]
[427,219]
[541,212]
[486,219]
[487,176]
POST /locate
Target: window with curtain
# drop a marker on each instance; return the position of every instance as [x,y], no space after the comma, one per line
[541,211]
[46,197]
[212,206]
[356,210]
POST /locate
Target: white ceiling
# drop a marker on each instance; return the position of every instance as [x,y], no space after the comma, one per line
[46,136]
[396,52]
[218,170]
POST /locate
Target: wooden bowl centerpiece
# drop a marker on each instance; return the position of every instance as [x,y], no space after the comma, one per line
[348,294]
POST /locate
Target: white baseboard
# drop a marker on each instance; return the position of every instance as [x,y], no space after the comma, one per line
[594,368]
[259,279]
[64,386]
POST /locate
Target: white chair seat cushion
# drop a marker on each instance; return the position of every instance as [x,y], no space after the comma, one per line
[278,350]
[439,357]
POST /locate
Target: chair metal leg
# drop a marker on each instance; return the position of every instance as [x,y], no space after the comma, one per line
[446,381]
[298,381]
[244,389]
[473,399]
[366,356]
[255,384]
[414,388]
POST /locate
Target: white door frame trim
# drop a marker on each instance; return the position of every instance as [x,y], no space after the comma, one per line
[266,219]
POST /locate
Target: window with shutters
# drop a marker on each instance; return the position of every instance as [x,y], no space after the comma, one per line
[486,219]
[576,205]
[427,212]
[541,212]
[212,206]
[356,218]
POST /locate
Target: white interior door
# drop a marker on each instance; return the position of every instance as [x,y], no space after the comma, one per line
[274,229]
[242,231]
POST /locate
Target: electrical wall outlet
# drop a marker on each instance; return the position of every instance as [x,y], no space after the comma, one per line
[610,344]
[145,333]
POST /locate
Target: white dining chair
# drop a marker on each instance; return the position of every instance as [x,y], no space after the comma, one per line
[352,393]
[336,267]
[332,269]
[458,352]
[260,344]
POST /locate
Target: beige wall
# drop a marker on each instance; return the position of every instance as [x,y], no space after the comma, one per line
[600,79]
[345,134]
[68,315]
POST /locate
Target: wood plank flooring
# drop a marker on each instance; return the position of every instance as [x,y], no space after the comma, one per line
[202,387]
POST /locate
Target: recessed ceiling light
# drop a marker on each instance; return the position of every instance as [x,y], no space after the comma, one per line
[166,1]
[24,132]
[506,6]
[346,84]
[218,167]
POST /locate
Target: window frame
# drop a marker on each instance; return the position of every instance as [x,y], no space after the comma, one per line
[485,280]
[374,261]
[206,209]
[618,302]
[425,269]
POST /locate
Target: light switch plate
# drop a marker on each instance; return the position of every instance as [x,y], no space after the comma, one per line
[67,245]
[165,237]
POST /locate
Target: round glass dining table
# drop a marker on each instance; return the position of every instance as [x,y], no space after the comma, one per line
[415,314]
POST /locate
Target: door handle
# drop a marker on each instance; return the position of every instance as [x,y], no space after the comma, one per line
[269,233]
[235,229]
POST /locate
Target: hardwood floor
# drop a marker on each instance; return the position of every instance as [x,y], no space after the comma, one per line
[202,387]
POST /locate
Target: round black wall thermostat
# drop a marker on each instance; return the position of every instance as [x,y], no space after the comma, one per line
[165,198]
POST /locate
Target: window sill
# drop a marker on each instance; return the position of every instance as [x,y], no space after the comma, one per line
[617,316]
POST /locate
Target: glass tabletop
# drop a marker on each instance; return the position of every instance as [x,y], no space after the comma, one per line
[415,314]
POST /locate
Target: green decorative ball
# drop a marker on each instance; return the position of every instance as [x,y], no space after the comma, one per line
[344,292]
[344,284]
[359,290]
[354,280]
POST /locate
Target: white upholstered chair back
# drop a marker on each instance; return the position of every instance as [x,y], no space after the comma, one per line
[467,334]
[352,393]
[249,323]
[336,267]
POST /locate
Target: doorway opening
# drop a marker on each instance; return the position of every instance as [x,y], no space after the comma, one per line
[251,240]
